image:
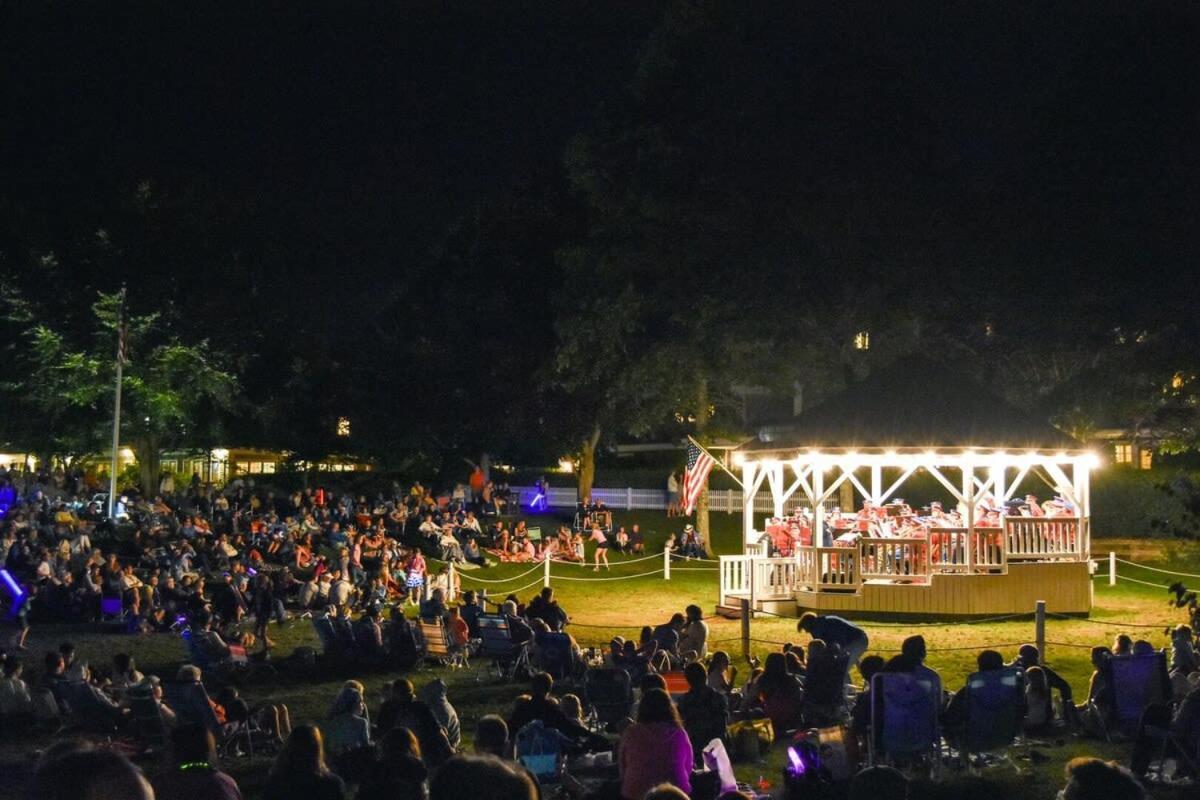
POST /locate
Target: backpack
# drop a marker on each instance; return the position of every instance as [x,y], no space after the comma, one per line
[751,738]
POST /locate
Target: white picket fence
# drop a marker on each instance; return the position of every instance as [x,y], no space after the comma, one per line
[630,499]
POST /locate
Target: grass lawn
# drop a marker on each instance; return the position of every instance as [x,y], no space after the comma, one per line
[602,609]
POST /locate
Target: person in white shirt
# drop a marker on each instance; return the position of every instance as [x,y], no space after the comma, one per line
[14,694]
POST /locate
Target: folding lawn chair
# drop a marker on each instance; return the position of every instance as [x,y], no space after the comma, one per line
[191,704]
[1138,681]
[148,724]
[496,643]
[555,656]
[541,751]
[994,710]
[437,644]
[609,693]
[904,718]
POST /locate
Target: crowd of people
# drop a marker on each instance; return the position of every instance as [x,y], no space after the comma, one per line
[221,566]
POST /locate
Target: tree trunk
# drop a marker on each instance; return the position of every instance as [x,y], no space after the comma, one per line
[702,524]
[148,460]
[587,463]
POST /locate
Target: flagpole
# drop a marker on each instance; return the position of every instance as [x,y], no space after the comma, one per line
[116,429]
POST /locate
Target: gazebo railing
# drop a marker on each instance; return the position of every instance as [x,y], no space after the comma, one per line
[1039,538]
[900,559]
[894,559]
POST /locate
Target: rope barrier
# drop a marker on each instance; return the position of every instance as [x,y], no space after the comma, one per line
[1143,583]
[693,558]
[1102,621]
[1156,569]
[1027,615]
[516,591]
[622,561]
[1070,644]
[613,578]
[468,576]
[694,569]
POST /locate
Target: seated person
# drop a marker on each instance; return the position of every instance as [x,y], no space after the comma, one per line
[1183,723]
[541,704]
[368,635]
[860,712]
[1027,656]
[323,626]
[704,710]
[780,694]
[1096,713]
[954,719]
[1039,707]
[435,606]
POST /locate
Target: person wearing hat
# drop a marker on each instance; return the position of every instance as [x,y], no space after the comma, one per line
[691,546]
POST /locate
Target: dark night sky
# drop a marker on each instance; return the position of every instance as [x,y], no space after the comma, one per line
[349,134]
[321,165]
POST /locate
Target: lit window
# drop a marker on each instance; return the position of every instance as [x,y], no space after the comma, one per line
[1145,458]
[268,467]
[862,340]
[1177,381]
[343,426]
[1123,454]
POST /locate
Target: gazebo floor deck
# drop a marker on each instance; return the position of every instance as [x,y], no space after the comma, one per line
[1066,586]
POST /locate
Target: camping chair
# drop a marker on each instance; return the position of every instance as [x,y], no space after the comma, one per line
[609,693]
[437,644]
[994,711]
[1138,681]
[555,656]
[190,703]
[904,718]
[508,659]
[540,750]
[113,616]
[148,724]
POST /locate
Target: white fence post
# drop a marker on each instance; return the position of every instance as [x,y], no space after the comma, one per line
[666,565]
[1039,630]
[1112,568]
[451,580]
[546,572]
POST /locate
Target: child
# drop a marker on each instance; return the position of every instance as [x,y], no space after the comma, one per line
[720,676]
[1039,712]
[460,633]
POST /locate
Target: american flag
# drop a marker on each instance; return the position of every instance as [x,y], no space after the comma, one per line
[699,464]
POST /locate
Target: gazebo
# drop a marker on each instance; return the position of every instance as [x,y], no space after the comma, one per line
[987,552]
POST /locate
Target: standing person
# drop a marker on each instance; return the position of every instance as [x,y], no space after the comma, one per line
[834,630]
[300,770]
[414,579]
[264,606]
[672,495]
[655,749]
[601,547]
